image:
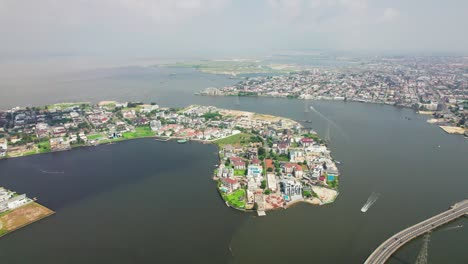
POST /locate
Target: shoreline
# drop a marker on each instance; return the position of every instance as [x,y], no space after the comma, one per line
[48,213]
[420,112]
[257,138]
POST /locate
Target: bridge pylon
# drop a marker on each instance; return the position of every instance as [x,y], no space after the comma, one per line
[423,253]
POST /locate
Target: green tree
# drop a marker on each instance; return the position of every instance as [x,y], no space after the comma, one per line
[261,151]
[307,193]
[263,184]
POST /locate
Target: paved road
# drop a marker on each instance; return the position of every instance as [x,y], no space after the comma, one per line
[387,248]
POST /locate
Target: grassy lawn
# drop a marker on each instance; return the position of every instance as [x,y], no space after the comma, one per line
[312,136]
[95,136]
[240,172]
[237,139]
[139,132]
[282,158]
[67,105]
[44,146]
[32,152]
[236,199]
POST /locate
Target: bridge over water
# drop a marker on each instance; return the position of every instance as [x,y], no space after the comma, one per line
[391,245]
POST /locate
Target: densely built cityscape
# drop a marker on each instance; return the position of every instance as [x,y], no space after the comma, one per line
[432,85]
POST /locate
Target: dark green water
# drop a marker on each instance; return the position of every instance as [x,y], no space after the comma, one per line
[152,202]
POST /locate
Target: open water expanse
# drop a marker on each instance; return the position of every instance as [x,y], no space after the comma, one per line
[145,201]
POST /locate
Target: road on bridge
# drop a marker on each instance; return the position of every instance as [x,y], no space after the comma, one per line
[391,245]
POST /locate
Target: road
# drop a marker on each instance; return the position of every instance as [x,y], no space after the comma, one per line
[391,245]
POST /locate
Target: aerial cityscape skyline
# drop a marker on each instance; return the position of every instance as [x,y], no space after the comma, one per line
[233,131]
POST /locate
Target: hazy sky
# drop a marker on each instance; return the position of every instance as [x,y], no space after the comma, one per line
[184,27]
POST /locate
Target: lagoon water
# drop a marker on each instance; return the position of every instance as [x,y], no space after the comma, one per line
[146,201]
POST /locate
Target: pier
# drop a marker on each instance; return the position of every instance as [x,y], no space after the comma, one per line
[391,245]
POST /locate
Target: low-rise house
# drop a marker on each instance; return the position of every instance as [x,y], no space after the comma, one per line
[57,144]
[149,108]
[59,131]
[225,172]
[272,183]
[288,168]
[254,171]
[129,114]
[269,164]
[228,151]
[305,142]
[18,201]
[282,148]
[296,155]
[252,153]
[3,147]
[230,183]
[239,164]
[255,161]
[42,130]
[155,125]
[298,172]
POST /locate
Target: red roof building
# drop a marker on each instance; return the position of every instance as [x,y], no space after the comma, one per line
[269,164]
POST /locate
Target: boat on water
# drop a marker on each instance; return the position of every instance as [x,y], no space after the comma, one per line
[182,141]
[370,201]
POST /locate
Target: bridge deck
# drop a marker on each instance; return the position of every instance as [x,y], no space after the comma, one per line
[391,245]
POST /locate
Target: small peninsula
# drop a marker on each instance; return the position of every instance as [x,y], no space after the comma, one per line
[265,162]
[17,211]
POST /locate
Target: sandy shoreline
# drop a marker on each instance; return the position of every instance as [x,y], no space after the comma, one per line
[453,130]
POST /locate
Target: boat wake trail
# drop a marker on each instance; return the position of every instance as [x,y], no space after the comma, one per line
[370,201]
[52,172]
[452,227]
[330,122]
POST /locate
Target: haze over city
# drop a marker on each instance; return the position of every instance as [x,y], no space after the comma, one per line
[187,27]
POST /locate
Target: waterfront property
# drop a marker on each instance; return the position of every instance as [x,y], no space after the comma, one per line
[17,211]
[262,157]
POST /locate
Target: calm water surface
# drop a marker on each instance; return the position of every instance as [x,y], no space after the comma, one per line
[145,201]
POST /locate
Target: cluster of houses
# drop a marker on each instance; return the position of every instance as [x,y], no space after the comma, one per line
[25,129]
[10,201]
[286,164]
[63,125]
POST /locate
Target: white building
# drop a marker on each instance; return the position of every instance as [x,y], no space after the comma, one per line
[271,181]
[18,201]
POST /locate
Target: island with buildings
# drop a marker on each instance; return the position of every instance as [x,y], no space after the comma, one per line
[265,162]
[436,86]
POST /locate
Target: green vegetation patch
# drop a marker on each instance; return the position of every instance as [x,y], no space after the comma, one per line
[212,116]
[312,136]
[95,136]
[238,139]
[44,146]
[240,172]
[63,106]
[29,153]
[143,131]
[236,199]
